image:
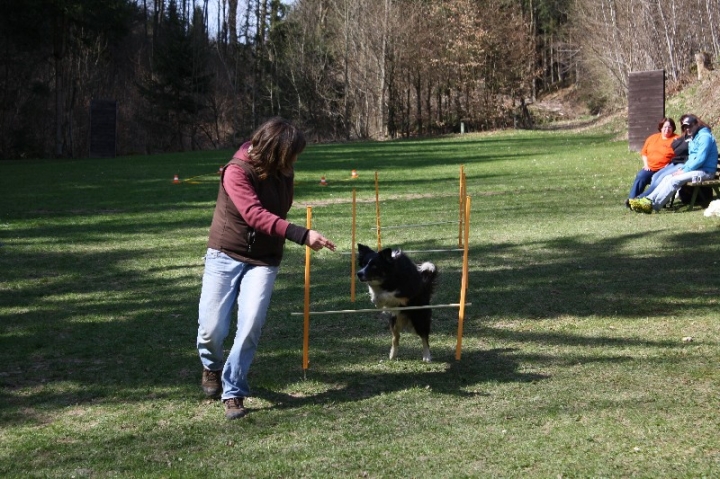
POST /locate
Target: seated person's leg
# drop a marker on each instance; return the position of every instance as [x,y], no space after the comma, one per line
[657,178]
[667,188]
[642,179]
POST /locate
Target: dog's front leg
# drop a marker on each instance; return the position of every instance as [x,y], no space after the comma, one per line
[395,330]
[426,349]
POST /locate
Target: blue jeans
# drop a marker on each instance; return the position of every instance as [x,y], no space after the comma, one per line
[670,184]
[227,281]
[642,179]
[657,178]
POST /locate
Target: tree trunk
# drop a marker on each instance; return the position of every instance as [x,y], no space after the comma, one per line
[380,114]
[58,56]
[418,103]
[232,22]
[669,36]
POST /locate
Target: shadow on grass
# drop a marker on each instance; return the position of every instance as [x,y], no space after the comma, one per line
[570,276]
[497,365]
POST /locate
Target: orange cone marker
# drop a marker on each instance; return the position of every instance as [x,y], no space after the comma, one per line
[354,175]
[176,180]
[322,181]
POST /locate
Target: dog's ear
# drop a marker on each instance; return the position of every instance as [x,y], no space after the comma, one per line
[363,254]
[386,255]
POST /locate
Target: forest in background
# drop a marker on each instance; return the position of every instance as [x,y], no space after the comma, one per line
[202,74]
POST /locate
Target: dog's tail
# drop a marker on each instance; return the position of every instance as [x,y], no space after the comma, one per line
[429,274]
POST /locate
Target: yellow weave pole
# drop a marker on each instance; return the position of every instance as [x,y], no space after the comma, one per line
[463,282]
[306,309]
[461,203]
[377,211]
[352,251]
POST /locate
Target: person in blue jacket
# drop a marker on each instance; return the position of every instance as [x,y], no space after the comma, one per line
[702,162]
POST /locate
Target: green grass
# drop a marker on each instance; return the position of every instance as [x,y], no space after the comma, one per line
[573,365]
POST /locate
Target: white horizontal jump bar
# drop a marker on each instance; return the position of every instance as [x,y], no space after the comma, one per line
[413,251]
[371,310]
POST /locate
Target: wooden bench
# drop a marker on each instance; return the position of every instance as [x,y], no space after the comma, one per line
[714,184]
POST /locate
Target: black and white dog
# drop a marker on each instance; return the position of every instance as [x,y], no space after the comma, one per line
[394,280]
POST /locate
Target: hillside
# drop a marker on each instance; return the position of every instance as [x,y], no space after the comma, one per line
[565,108]
[699,97]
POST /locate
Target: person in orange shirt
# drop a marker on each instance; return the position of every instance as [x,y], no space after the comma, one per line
[656,154]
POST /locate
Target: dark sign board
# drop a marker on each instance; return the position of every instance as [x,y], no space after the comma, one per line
[103,124]
[646,106]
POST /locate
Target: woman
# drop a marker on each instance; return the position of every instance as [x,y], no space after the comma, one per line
[245,247]
[656,154]
[702,162]
[680,147]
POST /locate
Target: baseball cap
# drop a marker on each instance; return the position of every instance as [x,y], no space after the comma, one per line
[689,120]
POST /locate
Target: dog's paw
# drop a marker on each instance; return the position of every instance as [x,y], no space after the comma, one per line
[393,353]
[426,352]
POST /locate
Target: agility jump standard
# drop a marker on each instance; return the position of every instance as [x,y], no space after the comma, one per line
[463,280]
[462,222]
[461,305]
[306,307]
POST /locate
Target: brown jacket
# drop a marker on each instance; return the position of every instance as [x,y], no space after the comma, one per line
[231,234]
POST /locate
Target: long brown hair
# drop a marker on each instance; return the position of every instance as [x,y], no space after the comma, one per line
[276,144]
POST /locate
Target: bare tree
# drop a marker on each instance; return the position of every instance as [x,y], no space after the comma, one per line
[644,35]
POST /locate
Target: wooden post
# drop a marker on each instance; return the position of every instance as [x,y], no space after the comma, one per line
[377,211]
[463,281]
[461,202]
[352,250]
[306,310]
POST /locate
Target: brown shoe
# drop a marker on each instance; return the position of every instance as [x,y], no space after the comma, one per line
[211,383]
[234,408]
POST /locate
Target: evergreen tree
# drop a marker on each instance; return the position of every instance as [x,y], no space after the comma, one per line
[178,87]
[33,32]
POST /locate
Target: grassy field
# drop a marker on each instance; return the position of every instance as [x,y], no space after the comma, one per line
[576,358]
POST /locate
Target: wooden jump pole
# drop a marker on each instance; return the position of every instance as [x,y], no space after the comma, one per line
[306,308]
[461,209]
[352,249]
[377,211]
[463,281]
